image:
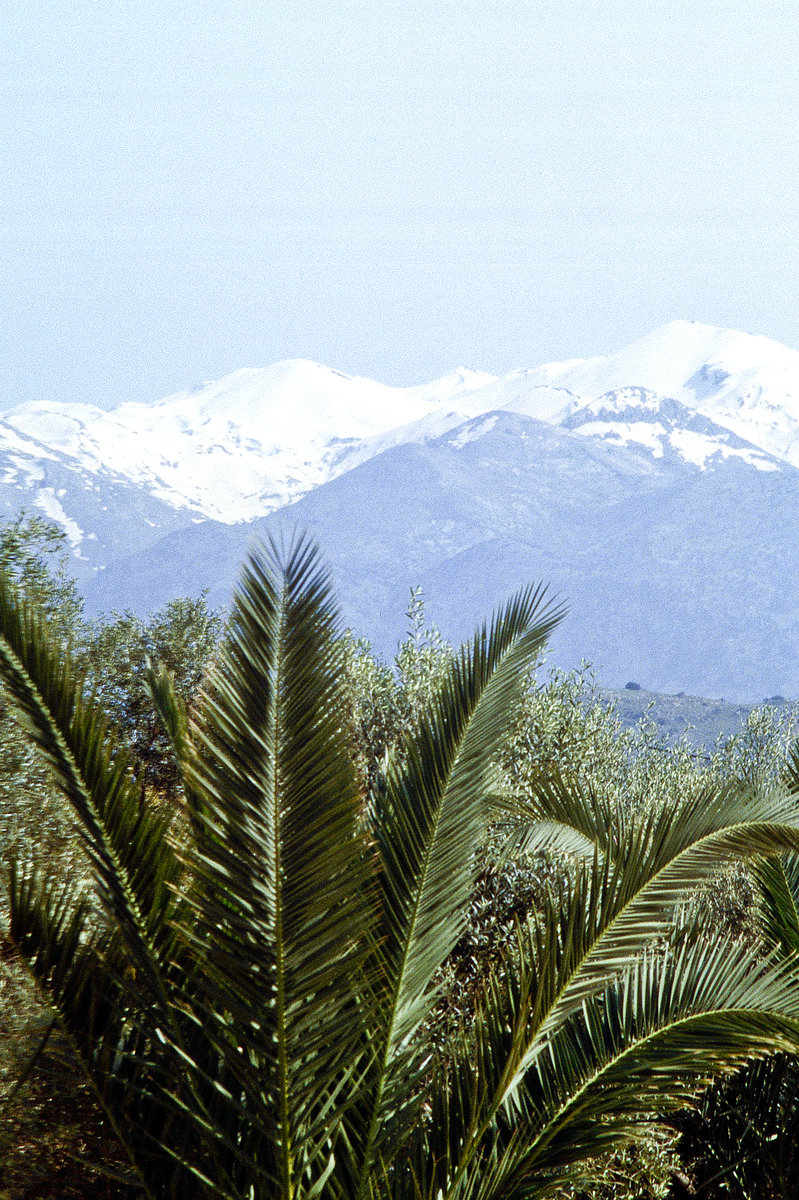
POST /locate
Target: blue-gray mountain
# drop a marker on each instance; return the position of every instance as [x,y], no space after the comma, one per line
[663,507]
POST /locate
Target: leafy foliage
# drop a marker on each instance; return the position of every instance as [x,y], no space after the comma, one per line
[180,638]
[254,1004]
[387,703]
[33,553]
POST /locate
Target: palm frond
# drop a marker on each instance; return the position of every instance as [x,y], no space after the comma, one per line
[790,773]
[426,828]
[110,973]
[742,1136]
[434,810]
[560,815]
[254,1007]
[279,887]
[657,859]
[667,1024]
[645,1046]
[778,879]
[134,864]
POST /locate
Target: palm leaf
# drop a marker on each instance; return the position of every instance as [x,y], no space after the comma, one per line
[434,810]
[778,879]
[426,828]
[742,1136]
[644,1044]
[133,861]
[279,891]
[110,972]
[656,860]
[254,1007]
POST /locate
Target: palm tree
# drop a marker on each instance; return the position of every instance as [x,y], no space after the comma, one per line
[250,994]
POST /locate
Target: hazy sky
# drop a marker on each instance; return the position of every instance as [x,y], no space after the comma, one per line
[391,187]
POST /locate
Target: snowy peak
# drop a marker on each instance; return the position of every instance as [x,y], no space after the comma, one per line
[685,360]
[303,400]
[745,383]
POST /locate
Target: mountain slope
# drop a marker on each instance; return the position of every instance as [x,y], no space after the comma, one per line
[678,577]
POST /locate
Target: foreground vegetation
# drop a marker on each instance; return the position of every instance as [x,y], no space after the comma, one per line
[335,929]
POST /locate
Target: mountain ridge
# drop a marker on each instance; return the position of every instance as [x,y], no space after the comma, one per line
[665,515]
[296,424]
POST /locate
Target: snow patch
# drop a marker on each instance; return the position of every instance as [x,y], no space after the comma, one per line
[474,431]
[697,449]
[51,506]
[650,435]
[33,472]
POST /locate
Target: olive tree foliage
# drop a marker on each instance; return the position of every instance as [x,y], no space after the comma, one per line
[33,554]
[112,654]
[759,753]
[181,638]
[388,701]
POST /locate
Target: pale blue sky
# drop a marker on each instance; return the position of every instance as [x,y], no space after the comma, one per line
[391,187]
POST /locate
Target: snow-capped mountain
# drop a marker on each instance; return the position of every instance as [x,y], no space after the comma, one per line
[679,578]
[746,383]
[237,448]
[470,485]
[248,444]
[634,416]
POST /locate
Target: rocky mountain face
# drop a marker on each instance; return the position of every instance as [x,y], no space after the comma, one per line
[656,489]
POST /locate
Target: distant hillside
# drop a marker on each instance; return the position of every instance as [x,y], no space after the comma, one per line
[698,719]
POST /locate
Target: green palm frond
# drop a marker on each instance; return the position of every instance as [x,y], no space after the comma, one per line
[171,710]
[434,810]
[591,943]
[741,1138]
[656,859]
[115,976]
[52,930]
[279,897]
[426,828]
[523,1104]
[778,879]
[127,843]
[561,815]
[790,773]
[645,1045]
